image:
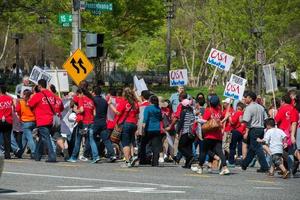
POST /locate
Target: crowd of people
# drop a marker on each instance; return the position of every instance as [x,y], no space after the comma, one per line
[147,129]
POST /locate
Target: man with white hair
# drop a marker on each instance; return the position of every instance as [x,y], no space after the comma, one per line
[25,82]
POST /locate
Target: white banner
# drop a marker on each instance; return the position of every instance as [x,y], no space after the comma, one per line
[220,59]
[178,77]
[270,78]
[235,87]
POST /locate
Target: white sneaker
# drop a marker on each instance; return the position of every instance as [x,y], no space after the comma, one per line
[225,171]
[82,158]
[200,170]
[161,160]
[194,168]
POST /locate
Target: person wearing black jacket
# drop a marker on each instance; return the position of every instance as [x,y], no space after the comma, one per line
[100,122]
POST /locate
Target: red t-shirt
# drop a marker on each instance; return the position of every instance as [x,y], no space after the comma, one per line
[41,108]
[123,108]
[217,113]
[88,109]
[286,115]
[236,123]
[59,106]
[76,100]
[6,107]
[228,127]
[178,111]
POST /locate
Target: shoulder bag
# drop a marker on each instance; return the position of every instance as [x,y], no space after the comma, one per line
[212,125]
[56,120]
[116,133]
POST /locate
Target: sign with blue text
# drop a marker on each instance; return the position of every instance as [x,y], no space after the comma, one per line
[235,87]
[178,77]
[220,59]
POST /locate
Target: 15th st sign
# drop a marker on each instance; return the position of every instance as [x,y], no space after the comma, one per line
[78,66]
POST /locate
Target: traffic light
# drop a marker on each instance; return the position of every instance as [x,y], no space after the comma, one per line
[76,5]
[94,42]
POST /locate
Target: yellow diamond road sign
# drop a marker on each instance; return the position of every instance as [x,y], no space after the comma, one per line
[78,66]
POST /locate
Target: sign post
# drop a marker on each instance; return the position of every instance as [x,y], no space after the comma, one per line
[78,66]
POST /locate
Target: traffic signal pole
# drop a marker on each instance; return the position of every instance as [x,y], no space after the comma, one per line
[76,35]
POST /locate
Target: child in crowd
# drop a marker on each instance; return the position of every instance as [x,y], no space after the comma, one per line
[274,144]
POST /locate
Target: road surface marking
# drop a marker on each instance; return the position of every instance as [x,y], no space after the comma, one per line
[127,170]
[198,175]
[268,188]
[15,161]
[64,165]
[75,186]
[259,181]
[96,180]
[103,189]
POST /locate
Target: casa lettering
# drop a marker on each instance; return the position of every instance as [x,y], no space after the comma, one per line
[220,56]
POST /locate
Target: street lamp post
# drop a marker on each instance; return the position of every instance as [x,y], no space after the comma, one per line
[17,37]
[260,58]
[43,20]
[170,15]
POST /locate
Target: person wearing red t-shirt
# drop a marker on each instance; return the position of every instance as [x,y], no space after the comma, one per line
[87,108]
[227,112]
[39,103]
[6,108]
[287,119]
[238,130]
[127,115]
[213,140]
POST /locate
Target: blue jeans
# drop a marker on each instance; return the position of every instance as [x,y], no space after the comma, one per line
[255,148]
[195,145]
[100,128]
[13,143]
[27,136]
[92,142]
[44,138]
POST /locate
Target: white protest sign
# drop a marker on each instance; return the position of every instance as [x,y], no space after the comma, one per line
[59,80]
[37,74]
[140,85]
[270,78]
[220,59]
[178,77]
[235,87]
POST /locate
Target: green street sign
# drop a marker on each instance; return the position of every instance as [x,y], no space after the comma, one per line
[65,18]
[98,6]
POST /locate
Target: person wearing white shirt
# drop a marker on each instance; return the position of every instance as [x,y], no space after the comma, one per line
[274,143]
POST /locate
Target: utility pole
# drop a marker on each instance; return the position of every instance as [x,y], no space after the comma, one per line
[43,20]
[170,15]
[76,36]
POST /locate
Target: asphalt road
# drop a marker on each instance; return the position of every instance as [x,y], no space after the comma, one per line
[27,179]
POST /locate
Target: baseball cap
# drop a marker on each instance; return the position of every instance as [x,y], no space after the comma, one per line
[227,100]
[186,102]
[214,100]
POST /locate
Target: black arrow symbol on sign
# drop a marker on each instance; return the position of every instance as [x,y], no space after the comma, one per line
[73,62]
[80,62]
